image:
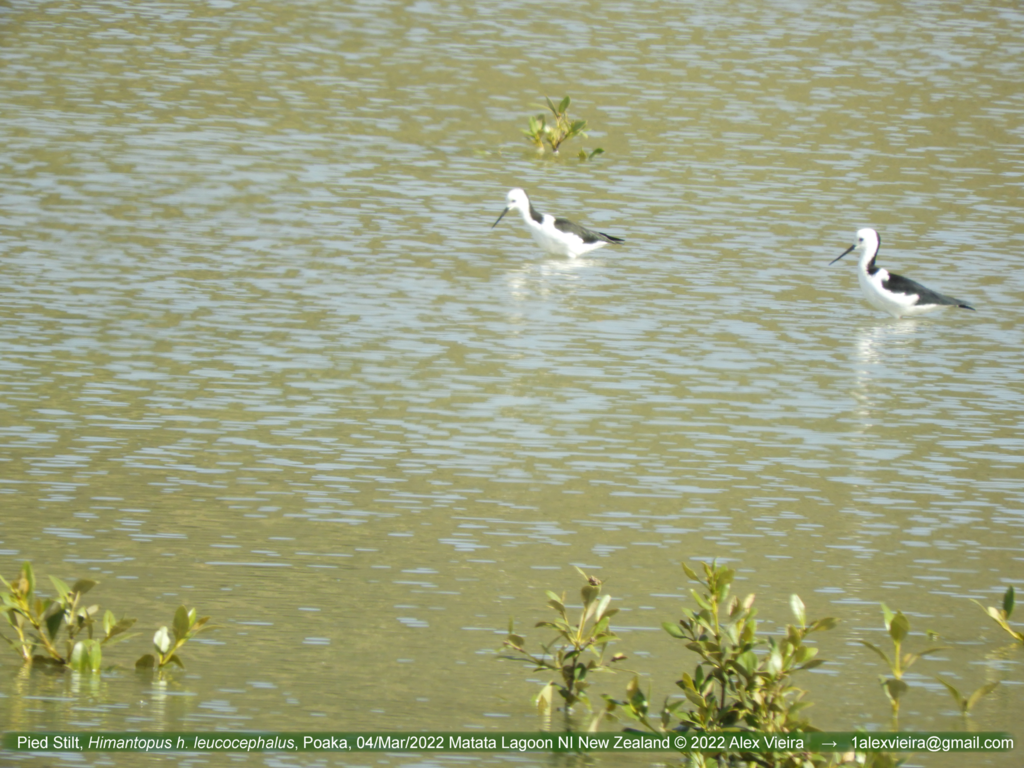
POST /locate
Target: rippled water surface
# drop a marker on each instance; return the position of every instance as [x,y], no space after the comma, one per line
[261,353]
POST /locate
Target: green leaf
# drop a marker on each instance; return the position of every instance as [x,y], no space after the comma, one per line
[748,662]
[87,656]
[690,572]
[700,600]
[181,623]
[894,689]
[162,640]
[83,585]
[596,152]
[146,662]
[175,660]
[954,693]
[823,624]
[95,652]
[797,606]
[30,578]
[887,615]
[673,629]
[53,622]
[695,698]
[899,627]
[812,664]
[62,588]
[910,658]
[687,682]
[544,698]
[564,105]
[877,650]
[1008,601]
[804,654]
[982,691]
[78,659]
[115,633]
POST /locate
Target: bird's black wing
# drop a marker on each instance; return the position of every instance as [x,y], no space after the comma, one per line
[901,284]
[584,234]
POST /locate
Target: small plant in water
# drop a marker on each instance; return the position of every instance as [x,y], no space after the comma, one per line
[167,642]
[554,134]
[964,703]
[37,623]
[567,653]
[732,687]
[898,627]
[1002,615]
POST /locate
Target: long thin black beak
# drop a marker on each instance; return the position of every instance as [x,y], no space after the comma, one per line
[837,258]
[499,218]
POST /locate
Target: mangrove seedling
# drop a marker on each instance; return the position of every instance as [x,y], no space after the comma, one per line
[166,642]
[37,623]
[964,703]
[898,627]
[1002,615]
[563,128]
[732,686]
[566,653]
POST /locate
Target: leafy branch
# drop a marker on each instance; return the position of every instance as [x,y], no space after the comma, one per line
[166,642]
[556,133]
[565,654]
[1002,615]
[37,623]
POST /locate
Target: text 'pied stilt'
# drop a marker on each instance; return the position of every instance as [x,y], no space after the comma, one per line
[895,294]
[558,237]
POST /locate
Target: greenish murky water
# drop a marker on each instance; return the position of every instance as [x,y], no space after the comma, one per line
[261,353]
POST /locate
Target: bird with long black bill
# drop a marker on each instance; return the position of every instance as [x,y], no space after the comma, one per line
[899,296]
[558,237]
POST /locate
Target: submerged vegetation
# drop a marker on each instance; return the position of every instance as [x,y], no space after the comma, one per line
[64,632]
[742,681]
[562,128]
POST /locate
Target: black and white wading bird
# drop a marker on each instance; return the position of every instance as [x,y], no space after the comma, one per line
[558,237]
[899,296]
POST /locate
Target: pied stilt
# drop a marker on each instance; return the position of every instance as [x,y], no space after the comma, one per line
[895,294]
[558,237]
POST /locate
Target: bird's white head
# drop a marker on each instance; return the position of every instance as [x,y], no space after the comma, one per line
[866,246]
[515,200]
